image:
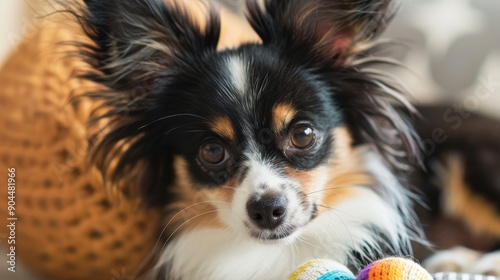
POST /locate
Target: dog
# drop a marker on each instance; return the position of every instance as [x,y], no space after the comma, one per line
[261,156]
[459,186]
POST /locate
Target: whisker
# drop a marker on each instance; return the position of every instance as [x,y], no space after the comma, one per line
[185,124]
[341,220]
[199,130]
[185,222]
[332,240]
[173,116]
[293,248]
[179,212]
[228,187]
[326,189]
[304,240]
[153,251]
[334,209]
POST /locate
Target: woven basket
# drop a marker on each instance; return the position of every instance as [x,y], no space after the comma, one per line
[68,226]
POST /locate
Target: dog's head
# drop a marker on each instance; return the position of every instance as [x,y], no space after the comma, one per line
[258,132]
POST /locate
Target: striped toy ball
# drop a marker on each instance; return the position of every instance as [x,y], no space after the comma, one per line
[394,269]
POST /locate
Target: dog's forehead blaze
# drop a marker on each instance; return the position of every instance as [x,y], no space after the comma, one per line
[283,114]
[223,126]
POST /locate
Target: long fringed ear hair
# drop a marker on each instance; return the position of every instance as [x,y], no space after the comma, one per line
[136,46]
[336,39]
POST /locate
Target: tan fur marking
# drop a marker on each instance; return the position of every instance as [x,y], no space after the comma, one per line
[282,116]
[196,207]
[345,170]
[222,194]
[460,202]
[329,184]
[306,178]
[223,127]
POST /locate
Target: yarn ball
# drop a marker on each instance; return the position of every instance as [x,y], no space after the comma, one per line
[319,269]
[385,269]
[394,269]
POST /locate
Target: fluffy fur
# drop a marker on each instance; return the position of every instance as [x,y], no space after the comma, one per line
[170,98]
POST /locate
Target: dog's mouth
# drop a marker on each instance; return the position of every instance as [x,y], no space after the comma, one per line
[268,235]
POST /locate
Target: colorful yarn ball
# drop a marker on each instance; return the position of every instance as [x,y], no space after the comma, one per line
[319,269]
[384,269]
[394,269]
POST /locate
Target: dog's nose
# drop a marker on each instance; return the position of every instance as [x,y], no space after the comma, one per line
[268,212]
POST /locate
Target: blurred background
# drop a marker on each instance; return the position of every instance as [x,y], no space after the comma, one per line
[452,48]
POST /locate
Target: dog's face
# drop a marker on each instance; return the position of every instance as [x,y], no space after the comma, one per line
[256,134]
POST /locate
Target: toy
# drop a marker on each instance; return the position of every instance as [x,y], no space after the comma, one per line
[319,269]
[385,269]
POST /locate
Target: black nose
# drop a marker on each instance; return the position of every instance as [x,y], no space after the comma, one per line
[268,212]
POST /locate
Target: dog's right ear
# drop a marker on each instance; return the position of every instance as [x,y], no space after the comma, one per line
[136,47]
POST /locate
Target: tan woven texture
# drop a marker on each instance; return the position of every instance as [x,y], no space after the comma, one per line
[68,226]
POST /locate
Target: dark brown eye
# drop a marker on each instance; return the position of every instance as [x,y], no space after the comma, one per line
[212,153]
[302,137]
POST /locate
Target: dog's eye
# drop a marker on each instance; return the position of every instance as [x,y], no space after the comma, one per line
[302,137]
[213,153]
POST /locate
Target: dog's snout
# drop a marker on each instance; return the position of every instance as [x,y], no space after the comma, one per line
[268,212]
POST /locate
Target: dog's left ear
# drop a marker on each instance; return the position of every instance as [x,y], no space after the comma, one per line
[320,29]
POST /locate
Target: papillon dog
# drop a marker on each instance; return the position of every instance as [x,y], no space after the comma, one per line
[261,156]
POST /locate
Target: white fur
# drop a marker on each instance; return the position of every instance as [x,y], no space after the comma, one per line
[262,179]
[397,197]
[226,253]
[237,71]
[259,174]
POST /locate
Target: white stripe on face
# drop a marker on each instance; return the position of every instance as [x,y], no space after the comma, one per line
[237,71]
[262,179]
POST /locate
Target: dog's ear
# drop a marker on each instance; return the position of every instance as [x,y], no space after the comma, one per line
[136,46]
[320,29]
[140,40]
[337,38]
